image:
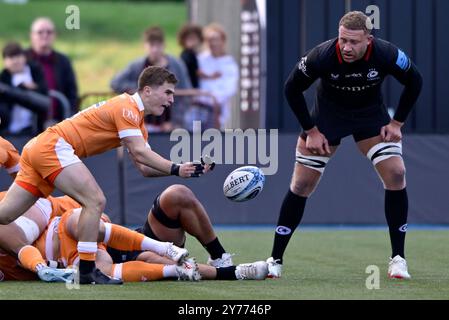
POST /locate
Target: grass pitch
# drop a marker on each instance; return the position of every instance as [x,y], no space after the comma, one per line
[318,265]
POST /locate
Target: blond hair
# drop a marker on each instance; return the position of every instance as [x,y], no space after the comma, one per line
[356,20]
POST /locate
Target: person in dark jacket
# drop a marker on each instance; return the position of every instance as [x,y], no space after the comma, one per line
[56,66]
[16,79]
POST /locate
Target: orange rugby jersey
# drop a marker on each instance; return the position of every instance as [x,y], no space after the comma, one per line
[9,156]
[100,127]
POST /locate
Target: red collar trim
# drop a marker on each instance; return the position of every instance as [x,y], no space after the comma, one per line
[368,51]
[340,59]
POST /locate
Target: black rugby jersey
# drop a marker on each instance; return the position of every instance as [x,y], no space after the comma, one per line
[353,85]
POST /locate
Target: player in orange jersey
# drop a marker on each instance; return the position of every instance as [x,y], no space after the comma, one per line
[52,159]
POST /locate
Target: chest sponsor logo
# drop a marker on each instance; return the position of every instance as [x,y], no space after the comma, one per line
[355,88]
[353,75]
[130,115]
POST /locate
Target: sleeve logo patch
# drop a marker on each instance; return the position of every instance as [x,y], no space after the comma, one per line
[402,61]
[302,65]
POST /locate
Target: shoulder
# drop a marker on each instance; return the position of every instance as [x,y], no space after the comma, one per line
[61,57]
[388,53]
[324,51]
[137,63]
[174,61]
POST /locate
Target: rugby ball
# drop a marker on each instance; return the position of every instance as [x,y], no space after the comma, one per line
[244,183]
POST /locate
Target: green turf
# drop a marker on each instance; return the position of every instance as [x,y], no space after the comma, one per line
[319,265]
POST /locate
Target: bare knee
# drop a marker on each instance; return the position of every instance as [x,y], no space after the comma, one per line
[303,187]
[395,178]
[178,195]
[95,202]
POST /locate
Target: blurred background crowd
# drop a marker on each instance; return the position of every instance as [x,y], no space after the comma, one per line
[50,72]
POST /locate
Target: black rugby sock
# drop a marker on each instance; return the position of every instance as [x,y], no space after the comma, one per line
[227,273]
[290,216]
[86,266]
[215,249]
[396,209]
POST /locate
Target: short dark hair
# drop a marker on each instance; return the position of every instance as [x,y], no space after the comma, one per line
[154,34]
[12,49]
[356,20]
[155,76]
[187,30]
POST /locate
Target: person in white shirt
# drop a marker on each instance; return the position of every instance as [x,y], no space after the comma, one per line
[218,71]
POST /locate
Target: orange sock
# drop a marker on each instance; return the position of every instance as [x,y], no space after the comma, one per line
[87,256]
[137,271]
[122,238]
[31,258]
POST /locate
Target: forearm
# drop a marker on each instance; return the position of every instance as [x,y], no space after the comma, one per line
[412,89]
[152,160]
[298,104]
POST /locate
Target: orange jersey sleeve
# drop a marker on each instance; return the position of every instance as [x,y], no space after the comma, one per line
[100,127]
[9,156]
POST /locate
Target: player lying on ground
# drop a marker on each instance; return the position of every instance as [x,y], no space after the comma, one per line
[26,230]
[177,211]
[58,243]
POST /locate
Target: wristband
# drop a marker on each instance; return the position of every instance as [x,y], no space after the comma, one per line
[174,171]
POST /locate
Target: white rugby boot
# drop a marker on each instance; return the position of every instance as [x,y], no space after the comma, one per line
[274,268]
[48,274]
[223,262]
[252,271]
[397,268]
[175,253]
[188,270]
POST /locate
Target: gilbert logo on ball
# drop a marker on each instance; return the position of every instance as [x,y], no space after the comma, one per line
[244,183]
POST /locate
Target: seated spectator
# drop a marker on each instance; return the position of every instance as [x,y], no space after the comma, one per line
[126,80]
[190,38]
[219,72]
[56,66]
[18,78]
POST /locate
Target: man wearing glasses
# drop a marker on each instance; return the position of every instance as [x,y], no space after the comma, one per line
[57,67]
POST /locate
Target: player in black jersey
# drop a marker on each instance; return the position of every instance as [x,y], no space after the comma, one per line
[351,69]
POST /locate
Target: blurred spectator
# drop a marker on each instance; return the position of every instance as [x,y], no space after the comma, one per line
[190,38]
[57,67]
[219,72]
[126,80]
[17,78]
